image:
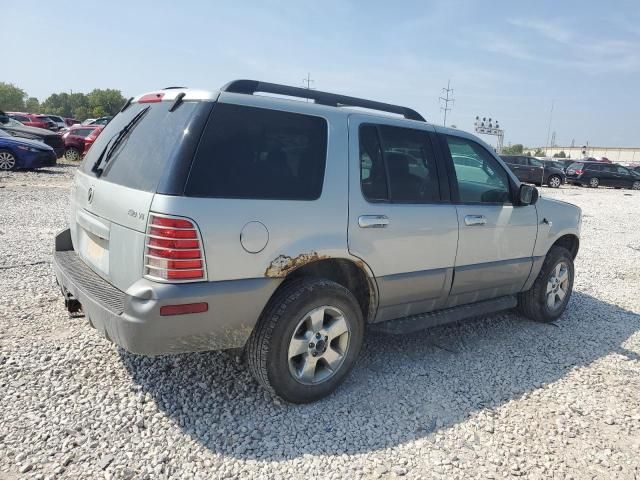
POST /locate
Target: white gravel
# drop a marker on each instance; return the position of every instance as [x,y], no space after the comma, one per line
[494,398]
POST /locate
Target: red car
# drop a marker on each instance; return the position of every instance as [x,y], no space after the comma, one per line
[31,120]
[78,140]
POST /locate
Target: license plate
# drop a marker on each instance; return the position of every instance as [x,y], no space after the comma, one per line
[94,250]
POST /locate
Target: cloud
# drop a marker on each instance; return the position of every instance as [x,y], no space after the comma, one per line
[554,44]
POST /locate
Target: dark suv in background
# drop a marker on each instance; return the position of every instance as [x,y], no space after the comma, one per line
[532,170]
[595,174]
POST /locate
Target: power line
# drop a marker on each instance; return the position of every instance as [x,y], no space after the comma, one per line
[446,100]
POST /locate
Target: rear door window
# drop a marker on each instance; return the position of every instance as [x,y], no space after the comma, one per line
[248,152]
[141,158]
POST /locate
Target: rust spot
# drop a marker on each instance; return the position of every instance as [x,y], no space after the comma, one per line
[284,264]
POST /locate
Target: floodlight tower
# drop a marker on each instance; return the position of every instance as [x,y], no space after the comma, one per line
[487,126]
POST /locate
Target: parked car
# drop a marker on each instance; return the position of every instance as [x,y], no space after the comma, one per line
[596,174]
[71,121]
[78,140]
[91,138]
[88,121]
[564,163]
[532,170]
[59,121]
[173,248]
[30,120]
[101,121]
[17,129]
[18,152]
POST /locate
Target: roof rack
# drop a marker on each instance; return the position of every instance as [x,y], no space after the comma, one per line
[250,87]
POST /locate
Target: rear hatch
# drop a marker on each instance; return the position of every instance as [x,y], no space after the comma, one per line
[575,169]
[118,178]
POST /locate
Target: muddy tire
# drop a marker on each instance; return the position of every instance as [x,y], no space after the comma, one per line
[307,340]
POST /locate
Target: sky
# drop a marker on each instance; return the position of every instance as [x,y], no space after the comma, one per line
[508,60]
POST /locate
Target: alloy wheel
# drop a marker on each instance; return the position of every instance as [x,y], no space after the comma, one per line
[636,185]
[557,286]
[594,182]
[554,181]
[319,345]
[72,154]
[7,161]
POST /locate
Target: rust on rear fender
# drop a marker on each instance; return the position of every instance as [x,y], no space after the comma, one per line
[283,265]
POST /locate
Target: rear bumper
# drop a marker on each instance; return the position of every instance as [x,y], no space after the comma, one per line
[132,319]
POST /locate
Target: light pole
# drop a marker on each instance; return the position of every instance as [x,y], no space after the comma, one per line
[487,126]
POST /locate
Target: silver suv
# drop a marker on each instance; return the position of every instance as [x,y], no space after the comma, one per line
[225,220]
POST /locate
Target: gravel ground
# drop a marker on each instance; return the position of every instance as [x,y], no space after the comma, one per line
[493,398]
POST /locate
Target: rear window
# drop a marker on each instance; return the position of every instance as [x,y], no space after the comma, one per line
[248,152]
[140,160]
[82,132]
[575,166]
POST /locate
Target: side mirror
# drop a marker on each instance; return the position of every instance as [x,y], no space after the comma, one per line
[527,194]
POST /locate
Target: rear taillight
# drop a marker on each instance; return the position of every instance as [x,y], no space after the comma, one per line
[173,250]
[579,172]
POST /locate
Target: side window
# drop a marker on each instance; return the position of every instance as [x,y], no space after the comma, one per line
[480,177]
[248,152]
[623,170]
[534,162]
[397,164]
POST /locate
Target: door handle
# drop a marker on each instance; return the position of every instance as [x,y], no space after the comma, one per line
[373,221]
[475,220]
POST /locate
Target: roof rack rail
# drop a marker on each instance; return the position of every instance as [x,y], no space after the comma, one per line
[171,88]
[250,87]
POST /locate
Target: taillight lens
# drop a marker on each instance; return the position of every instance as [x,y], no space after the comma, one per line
[579,172]
[173,250]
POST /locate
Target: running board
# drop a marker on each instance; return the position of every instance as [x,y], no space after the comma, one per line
[421,321]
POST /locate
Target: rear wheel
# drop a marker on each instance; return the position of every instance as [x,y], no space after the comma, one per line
[546,300]
[635,185]
[7,160]
[72,154]
[307,340]
[554,181]
[594,182]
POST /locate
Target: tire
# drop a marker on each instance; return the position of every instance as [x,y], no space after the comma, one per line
[554,181]
[635,185]
[7,160]
[534,303]
[285,327]
[72,154]
[594,182]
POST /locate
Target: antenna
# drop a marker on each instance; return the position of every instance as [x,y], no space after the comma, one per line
[446,100]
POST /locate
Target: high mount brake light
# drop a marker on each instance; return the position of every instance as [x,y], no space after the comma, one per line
[173,251]
[151,98]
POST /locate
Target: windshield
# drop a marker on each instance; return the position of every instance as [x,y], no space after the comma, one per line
[139,158]
[4,134]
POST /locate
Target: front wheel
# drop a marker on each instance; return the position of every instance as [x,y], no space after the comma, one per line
[594,182]
[7,160]
[72,154]
[554,181]
[635,185]
[307,340]
[547,299]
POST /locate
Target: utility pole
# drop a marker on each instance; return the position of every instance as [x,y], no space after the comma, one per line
[549,127]
[446,100]
[307,81]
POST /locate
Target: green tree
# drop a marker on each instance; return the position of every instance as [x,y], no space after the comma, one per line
[32,105]
[105,102]
[560,154]
[11,97]
[539,153]
[515,149]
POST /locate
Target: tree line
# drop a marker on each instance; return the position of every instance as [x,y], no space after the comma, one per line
[519,149]
[96,103]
